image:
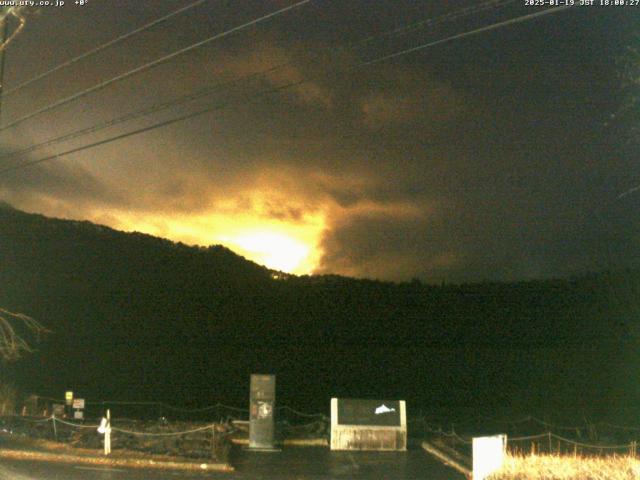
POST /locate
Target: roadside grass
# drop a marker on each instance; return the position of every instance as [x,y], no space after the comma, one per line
[568,467]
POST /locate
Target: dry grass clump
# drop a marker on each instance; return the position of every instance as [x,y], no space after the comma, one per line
[568,467]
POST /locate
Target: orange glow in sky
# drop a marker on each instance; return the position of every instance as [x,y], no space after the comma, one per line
[277,251]
[279,244]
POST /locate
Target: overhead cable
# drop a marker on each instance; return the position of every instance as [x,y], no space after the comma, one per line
[149,65]
[158,107]
[267,92]
[208,90]
[432,21]
[100,48]
[494,26]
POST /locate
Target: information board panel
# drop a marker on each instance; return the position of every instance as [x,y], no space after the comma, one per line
[365,424]
[369,412]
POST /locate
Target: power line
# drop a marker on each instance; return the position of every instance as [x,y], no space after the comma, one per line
[158,107]
[149,65]
[149,128]
[263,93]
[208,90]
[101,47]
[430,22]
[494,26]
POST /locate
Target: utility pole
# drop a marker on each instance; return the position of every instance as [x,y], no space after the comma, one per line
[5,13]
[3,52]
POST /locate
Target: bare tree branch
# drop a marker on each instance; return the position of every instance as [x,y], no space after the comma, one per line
[13,329]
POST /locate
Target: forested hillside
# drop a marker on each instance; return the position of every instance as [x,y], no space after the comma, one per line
[200,320]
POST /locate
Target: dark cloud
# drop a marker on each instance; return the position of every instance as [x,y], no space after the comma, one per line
[64,185]
[385,245]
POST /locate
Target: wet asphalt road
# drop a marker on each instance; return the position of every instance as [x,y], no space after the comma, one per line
[290,464]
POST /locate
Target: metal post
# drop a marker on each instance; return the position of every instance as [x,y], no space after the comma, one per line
[55,429]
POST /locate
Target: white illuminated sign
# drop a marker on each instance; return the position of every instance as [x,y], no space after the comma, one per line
[488,455]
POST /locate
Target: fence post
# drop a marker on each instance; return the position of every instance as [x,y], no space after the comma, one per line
[55,429]
[105,428]
[107,434]
[550,447]
[213,441]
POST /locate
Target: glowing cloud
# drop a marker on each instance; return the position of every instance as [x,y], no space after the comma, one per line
[275,250]
[253,229]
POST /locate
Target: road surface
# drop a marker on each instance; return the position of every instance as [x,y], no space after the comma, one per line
[290,464]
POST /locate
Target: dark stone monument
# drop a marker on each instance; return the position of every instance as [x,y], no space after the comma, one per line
[261,409]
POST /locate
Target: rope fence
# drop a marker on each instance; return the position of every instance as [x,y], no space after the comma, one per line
[55,419]
[181,439]
[553,426]
[284,408]
[317,424]
[171,434]
[550,440]
[74,425]
[567,440]
[589,429]
[166,406]
[546,442]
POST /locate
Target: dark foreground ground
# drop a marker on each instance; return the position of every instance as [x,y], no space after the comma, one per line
[291,463]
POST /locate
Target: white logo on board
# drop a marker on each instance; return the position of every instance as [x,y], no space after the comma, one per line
[384,409]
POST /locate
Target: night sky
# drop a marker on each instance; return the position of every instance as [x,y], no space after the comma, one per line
[509,154]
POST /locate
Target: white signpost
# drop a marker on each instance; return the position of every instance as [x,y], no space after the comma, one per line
[105,429]
[78,408]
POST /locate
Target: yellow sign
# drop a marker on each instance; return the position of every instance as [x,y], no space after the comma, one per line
[68,397]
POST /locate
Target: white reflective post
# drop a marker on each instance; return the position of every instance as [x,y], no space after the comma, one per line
[488,455]
[105,428]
